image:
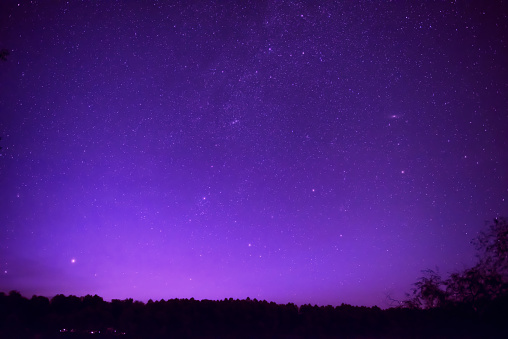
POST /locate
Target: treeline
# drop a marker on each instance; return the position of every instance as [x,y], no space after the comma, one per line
[472,303]
[91,316]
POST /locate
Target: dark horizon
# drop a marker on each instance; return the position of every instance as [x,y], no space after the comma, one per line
[395,303]
[6,293]
[90,316]
[285,151]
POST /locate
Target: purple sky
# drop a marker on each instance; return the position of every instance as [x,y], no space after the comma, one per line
[273,150]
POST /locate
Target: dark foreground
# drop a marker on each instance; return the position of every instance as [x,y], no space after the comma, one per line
[92,317]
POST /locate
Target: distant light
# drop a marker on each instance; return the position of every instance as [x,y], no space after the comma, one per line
[73,260]
[402,171]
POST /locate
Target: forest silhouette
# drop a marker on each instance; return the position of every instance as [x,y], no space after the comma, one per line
[469,304]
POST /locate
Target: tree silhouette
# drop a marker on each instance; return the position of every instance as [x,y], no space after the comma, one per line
[476,287]
[427,292]
[488,279]
[492,246]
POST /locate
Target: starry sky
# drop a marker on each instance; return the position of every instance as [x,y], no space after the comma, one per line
[291,151]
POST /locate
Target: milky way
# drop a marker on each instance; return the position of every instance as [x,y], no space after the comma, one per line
[287,151]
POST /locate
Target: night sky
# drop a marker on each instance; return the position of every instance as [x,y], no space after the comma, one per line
[277,150]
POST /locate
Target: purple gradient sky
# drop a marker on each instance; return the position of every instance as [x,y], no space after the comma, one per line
[274,150]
